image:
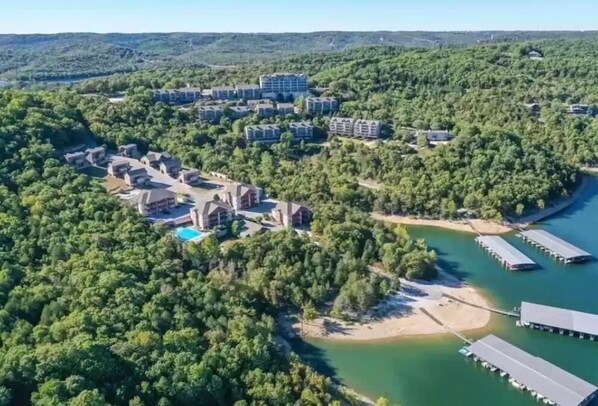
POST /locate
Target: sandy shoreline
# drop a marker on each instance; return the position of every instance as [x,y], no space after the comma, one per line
[401,315]
[469,226]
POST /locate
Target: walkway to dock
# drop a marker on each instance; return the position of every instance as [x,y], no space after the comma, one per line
[446,327]
[490,309]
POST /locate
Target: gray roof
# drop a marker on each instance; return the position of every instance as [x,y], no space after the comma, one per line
[240,189]
[367,122]
[74,155]
[289,208]
[153,195]
[264,106]
[213,108]
[96,149]
[320,99]
[157,156]
[118,162]
[298,124]
[537,374]
[171,163]
[505,251]
[341,119]
[555,244]
[137,172]
[571,320]
[248,87]
[263,127]
[127,146]
[212,206]
[285,105]
[222,88]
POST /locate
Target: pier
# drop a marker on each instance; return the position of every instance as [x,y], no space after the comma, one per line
[490,309]
[446,327]
[554,246]
[545,381]
[557,320]
[509,256]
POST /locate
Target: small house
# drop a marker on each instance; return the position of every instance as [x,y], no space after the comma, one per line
[171,167]
[137,177]
[128,150]
[77,159]
[118,168]
[96,156]
[291,214]
[189,177]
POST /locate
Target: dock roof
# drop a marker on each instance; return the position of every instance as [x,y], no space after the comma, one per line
[571,320]
[555,244]
[537,374]
[505,251]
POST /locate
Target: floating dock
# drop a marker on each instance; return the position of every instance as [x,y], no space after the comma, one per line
[545,381]
[557,320]
[554,246]
[509,256]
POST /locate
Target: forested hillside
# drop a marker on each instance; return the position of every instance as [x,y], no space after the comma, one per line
[60,56]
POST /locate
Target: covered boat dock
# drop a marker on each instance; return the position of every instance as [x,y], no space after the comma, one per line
[555,319]
[554,246]
[545,381]
[509,256]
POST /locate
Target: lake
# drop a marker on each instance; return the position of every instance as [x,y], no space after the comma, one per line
[428,371]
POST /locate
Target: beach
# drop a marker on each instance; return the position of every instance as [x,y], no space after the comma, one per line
[475,226]
[401,314]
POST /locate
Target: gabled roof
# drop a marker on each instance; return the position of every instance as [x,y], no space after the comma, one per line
[341,120]
[118,162]
[222,88]
[127,146]
[137,172]
[240,189]
[153,196]
[362,121]
[299,124]
[248,87]
[95,149]
[75,155]
[290,208]
[212,206]
[171,163]
[210,108]
[157,156]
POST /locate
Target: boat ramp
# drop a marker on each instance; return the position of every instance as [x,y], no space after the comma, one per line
[554,246]
[545,381]
[509,256]
[563,321]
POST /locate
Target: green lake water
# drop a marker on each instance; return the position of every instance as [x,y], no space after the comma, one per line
[429,371]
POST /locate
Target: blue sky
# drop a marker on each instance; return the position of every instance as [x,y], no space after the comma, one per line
[48,16]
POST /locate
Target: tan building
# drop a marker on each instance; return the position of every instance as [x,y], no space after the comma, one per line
[137,177]
[118,168]
[240,196]
[149,202]
[189,177]
[77,160]
[210,214]
[291,214]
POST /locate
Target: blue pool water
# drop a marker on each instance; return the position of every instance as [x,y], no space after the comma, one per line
[187,233]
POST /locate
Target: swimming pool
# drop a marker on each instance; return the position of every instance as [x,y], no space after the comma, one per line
[187,233]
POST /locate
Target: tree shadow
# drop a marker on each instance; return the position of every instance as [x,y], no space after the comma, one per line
[315,357]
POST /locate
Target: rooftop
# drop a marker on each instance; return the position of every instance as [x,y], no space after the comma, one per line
[505,251]
[585,323]
[289,208]
[555,244]
[153,195]
[537,374]
[213,108]
[211,206]
[240,189]
[263,127]
[222,88]
[298,124]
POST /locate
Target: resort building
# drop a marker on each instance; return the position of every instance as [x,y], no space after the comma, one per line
[224,93]
[283,84]
[77,159]
[266,133]
[240,196]
[291,214]
[154,159]
[285,108]
[341,126]
[555,246]
[367,128]
[249,92]
[182,95]
[210,214]
[128,150]
[149,202]
[189,177]
[563,321]
[96,156]
[170,166]
[264,109]
[320,105]
[579,109]
[210,114]
[301,130]
[435,135]
[137,177]
[239,111]
[118,168]
[509,256]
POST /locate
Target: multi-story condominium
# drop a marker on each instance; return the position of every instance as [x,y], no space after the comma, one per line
[435,135]
[240,196]
[367,128]
[286,84]
[264,109]
[210,114]
[96,156]
[341,126]
[249,92]
[210,214]
[239,111]
[154,159]
[166,95]
[285,108]
[118,168]
[267,133]
[137,177]
[291,214]
[77,159]
[189,177]
[182,95]
[128,150]
[224,93]
[149,202]
[170,166]
[302,130]
[320,105]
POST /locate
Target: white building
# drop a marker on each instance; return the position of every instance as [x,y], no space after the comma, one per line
[285,84]
[341,126]
[435,135]
[302,130]
[266,133]
[320,105]
[367,128]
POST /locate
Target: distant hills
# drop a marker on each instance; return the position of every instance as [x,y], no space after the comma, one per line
[74,55]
